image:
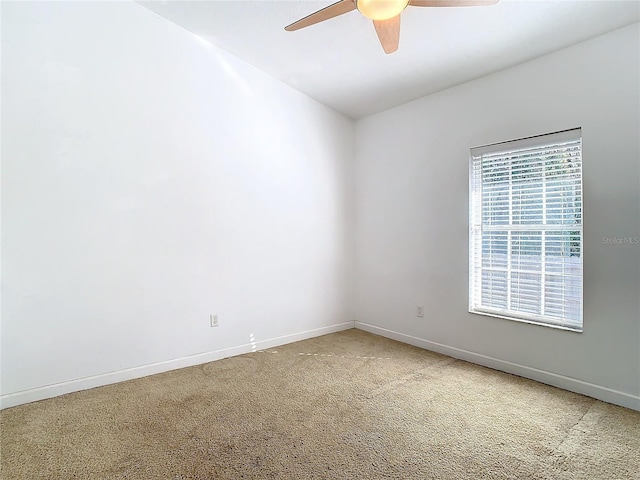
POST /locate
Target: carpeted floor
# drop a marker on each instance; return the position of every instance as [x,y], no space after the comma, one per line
[350,405]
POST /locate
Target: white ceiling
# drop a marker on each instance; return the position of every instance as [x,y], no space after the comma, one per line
[341,63]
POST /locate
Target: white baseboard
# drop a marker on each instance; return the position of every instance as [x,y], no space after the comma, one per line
[595,391]
[49,391]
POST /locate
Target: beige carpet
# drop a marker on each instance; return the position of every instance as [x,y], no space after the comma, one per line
[350,405]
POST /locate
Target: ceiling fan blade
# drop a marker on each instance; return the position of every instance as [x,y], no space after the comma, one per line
[451,3]
[389,33]
[333,10]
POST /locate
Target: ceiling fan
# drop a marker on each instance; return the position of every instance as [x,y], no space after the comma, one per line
[384,13]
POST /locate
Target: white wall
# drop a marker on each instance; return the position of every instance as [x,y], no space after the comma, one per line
[148,180]
[412,215]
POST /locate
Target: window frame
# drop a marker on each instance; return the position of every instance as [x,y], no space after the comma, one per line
[477,227]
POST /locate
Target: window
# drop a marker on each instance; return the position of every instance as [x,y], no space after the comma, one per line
[525,231]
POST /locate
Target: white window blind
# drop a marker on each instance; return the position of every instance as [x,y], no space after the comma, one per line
[526,230]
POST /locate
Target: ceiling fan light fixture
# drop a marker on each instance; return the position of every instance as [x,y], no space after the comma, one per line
[381,9]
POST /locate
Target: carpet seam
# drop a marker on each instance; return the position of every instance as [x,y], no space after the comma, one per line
[547,461]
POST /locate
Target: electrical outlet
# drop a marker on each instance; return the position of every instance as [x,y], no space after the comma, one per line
[213,320]
[420,311]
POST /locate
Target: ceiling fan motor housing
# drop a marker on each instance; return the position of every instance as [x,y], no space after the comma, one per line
[381,9]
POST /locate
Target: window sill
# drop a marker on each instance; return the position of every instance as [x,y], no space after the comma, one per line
[542,323]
